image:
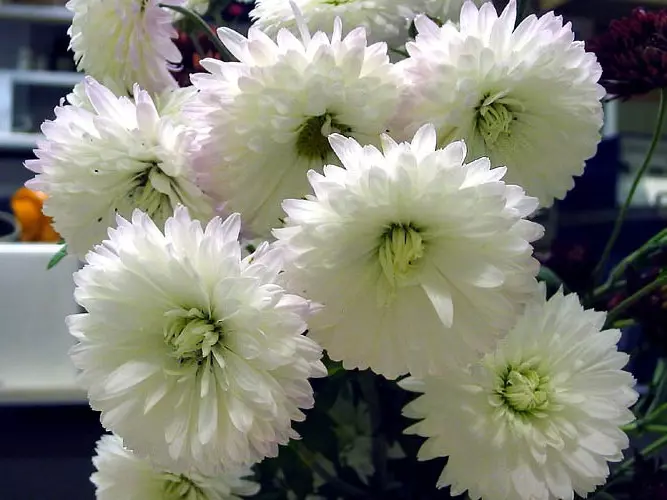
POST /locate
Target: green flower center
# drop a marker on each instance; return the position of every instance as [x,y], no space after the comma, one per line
[179,487]
[401,248]
[494,120]
[150,192]
[191,335]
[312,142]
[523,390]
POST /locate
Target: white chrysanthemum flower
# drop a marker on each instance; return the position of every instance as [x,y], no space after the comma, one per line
[384,20]
[270,114]
[123,475]
[111,156]
[419,259]
[193,355]
[125,42]
[538,418]
[527,98]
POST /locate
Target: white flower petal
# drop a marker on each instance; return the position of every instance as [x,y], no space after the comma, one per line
[496,79]
[108,155]
[193,355]
[537,415]
[269,117]
[418,262]
[124,42]
[122,474]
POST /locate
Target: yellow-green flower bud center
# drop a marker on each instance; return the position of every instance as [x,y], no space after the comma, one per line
[179,487]
[401,248]
[150,192]
[494,121]
[190,334]
[312,140]
[523,390]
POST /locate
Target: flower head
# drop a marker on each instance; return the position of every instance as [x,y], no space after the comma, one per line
[419,259]
[110,155]
[539,417]
[633,53]
[194,356]
[384,20]
[124,42]
[527,98]
[269,115]
[122,474]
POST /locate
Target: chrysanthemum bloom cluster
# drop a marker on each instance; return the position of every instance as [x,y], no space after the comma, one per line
[403,257]
[539,417]
[425,259]
[122,474]
[200,361]
[111,155]
[633,53]
[125,42]
[488,83]
[269,116]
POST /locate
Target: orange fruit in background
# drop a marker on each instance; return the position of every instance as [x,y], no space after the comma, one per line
[35,226]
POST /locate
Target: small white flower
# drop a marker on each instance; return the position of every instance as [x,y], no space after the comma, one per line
[193,355]
[109,155]
[538,418]
[269,115]
[123,475]
[384,20]
[527,98]
[419,259]
[123,42]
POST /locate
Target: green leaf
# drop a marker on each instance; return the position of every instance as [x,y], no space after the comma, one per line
[298,476]
[317,431]
[333,367]
[57,257]
[551,279]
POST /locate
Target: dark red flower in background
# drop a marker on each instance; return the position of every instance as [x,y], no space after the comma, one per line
[633,53]
[192,56]
[649,481]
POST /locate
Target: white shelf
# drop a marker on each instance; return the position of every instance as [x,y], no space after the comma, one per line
[42,78]
[36,13]
[18,141]
[43,394]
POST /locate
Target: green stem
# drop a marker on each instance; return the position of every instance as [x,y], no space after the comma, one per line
[196,18]
[642,423]
[649,397]
[657,133]
[619,309]
[624,323]
[620,268]
[660,388]
[651,448]
[368,386]
[662,429]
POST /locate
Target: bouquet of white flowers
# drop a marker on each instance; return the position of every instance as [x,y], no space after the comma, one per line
[346,194]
